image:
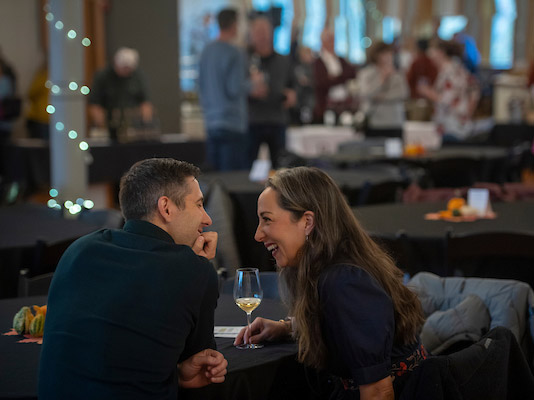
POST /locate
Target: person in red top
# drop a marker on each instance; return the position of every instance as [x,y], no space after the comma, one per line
[422,69]
[331,72]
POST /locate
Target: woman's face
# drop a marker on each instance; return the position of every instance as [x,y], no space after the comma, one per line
[385,59]
[278,231]
[436,54]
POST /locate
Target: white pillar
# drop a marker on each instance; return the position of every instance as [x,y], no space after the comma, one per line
[65,65]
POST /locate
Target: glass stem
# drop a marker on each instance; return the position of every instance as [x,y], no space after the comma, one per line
[248,325]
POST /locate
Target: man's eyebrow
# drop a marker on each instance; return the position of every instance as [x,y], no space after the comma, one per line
[201,199]
[265,212]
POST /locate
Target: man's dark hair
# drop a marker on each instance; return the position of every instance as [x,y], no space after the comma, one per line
[226,18]
[147,180]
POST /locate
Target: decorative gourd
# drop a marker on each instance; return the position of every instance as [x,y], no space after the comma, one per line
[22,320]
[37,325]
[455,203]
[40,310]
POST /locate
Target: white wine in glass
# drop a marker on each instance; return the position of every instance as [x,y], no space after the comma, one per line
[247,296]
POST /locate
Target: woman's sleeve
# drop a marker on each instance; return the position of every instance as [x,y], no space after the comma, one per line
[358,323]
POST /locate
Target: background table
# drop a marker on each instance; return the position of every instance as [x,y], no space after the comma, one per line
[28,161]
[22,226]
[427,237]
[267,373]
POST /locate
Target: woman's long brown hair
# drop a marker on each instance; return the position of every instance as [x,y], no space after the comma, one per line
[337,235]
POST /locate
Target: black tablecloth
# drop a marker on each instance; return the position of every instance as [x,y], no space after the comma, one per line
[30,164]
[244,194]
[265,373]
[427,236]
[491,160]
[24,224]
[510,134]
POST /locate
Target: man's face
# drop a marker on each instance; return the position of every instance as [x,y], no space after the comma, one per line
[189,221]
[261,35]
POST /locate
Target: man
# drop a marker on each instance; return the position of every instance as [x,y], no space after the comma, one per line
[331,74]
[223,96]
[118,92]
[268,109]
[131,311]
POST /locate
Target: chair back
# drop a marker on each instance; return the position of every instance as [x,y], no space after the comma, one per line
[508,255]
[452,172]
[34,286]
[46,256]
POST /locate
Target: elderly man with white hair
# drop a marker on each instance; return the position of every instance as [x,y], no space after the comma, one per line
[117,90]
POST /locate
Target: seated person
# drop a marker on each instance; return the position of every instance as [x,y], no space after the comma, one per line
[352,314]
[131,311]
[117,91]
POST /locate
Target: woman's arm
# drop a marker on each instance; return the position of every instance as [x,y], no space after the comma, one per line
[380,390]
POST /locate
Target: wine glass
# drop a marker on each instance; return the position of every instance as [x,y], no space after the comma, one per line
[247,296]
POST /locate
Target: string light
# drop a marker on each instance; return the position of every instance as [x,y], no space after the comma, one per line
[74,208]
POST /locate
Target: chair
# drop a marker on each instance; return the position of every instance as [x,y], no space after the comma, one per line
[46,256]
[452,172]
[400,249]
[508,255]
[35,286]
[269,284]
[379,193]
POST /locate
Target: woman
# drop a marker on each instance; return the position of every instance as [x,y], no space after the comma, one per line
[383,91]
[353,317]
[455,93]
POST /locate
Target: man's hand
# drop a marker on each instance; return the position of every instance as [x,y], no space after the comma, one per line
[263,330]
[291,98]
[201,369]
[206,245]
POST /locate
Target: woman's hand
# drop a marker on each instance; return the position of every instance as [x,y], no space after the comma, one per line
[263,330]
[380,390]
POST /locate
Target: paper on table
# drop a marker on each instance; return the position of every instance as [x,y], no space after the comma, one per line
[227,331]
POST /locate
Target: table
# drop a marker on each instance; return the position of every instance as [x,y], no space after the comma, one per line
[427,237]
[28,160]
[257,374]
[24,224]
[491,161]
[244,197]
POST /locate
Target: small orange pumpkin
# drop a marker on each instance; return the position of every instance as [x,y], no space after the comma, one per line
[455,203]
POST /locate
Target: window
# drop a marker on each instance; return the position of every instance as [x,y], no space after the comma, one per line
[450,25]
[502,34]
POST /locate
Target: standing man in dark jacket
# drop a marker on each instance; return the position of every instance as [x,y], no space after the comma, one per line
[268,109]
[131,311]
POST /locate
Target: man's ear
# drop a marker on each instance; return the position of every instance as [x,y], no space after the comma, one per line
[165,208]
[309,218]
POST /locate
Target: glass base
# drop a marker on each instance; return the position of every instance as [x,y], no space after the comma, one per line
[245,346]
